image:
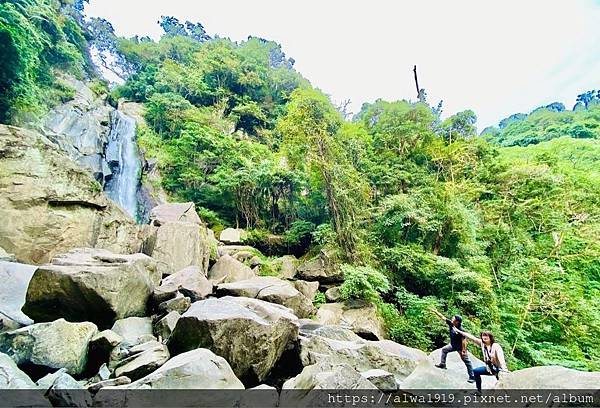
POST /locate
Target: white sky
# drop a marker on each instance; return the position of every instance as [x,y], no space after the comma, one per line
[496,57]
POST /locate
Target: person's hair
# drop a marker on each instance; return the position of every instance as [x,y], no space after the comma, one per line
[489,334]
[458,318]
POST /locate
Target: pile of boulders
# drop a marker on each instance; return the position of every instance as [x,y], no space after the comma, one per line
[175,317]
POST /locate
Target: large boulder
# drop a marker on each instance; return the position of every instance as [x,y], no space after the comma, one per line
[285,266]
[308,289]
[165,326]
[174,212]
[195,369]
[231,235]
[92,284]
[177,245]
[249,333]
[49,205]
[550,378]
[60,380]
[178,304]
[360,317]
[234,249]
[11,377]
[62,390]
[298,391]
[100,347]
[272,290]
[333,294]
[336,345]
[15,280]
[227,270]
[320,268]
[142,360]
[190,282]
[382,379]
[52,346]
[133,330]
[427,376]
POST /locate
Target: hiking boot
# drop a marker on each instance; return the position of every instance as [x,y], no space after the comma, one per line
[441,366]
[471,380]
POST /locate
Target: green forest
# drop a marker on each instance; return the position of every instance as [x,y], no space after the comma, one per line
[420,211]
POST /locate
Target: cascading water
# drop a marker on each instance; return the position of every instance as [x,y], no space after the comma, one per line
[123,158]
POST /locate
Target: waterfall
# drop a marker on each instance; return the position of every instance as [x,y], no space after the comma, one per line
[122,156]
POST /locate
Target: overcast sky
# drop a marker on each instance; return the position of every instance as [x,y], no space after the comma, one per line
[496,57]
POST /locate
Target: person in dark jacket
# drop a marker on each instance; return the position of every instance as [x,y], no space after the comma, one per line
[458,343]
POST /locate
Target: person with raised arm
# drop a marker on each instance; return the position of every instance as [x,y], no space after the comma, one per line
[458,343]
[493,356]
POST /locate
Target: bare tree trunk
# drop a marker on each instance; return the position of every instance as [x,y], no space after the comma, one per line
[417,82]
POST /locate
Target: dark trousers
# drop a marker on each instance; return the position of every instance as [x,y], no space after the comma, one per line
[479,371]
[448,349]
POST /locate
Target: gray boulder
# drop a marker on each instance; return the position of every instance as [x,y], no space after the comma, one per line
[244,256]
[232,250]
[195,369]
[286,266]
[92,284]
[142,360]
[550,378]
[165,326]
[15,280]
[60,380]
[227,270]
[177,245]
[358,316]
[321,268]
[134,330]
[174,212]
[250,333]
[178,304]
[427,376]
[305,390]
[190,281]
[231,235]
[336,345]
[94,387]
[105,340]
[272,290]
[308,289]
[54,345]
[100,347]
[333,294]
[382,379]
[11,377]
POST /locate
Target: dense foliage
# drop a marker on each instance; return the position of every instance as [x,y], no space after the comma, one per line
[37,38]
[419,211]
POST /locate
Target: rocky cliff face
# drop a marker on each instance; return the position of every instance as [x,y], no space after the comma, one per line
[81,127]
[102,141]
[49,205]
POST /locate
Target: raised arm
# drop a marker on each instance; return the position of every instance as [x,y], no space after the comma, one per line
[469,336]
[438,314]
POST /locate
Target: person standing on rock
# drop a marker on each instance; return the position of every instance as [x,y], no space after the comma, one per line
[458,343]
[493,356]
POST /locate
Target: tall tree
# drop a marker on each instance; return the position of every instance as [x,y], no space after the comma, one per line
[310,130]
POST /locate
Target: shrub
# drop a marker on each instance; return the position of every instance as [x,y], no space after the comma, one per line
[363,282]
[319,299]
